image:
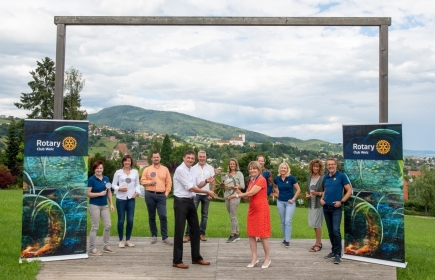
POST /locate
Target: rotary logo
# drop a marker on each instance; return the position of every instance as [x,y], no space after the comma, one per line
[383,147]
[69,143]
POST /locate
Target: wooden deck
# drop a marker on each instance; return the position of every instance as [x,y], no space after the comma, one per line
[228,261]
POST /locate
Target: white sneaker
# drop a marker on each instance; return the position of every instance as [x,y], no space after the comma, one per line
[129,243]
[122,244]
[153,240]
[167,242]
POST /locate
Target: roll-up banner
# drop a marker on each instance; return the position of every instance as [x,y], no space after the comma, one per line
[374,216]
[54,190]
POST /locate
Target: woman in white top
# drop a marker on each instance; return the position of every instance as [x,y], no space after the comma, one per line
[126,185]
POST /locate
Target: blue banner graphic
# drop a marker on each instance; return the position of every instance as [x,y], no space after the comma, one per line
[374,215]
[54,190]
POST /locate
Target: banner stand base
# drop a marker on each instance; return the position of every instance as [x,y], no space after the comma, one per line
[55,258]
[377,261]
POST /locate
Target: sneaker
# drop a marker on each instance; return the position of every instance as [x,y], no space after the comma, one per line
[154,240]
[230,239]
[95,252]
[337,259]
[330,255]
[121,244]
[186,239]
[283,243]
[167,242]
[286,244]
[108,250]
[236,237]
[129,243]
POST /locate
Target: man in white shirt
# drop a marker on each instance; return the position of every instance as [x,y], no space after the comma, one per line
[186,185]
[203,171]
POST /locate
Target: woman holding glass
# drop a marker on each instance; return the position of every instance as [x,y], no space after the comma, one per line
[258,224]
[234,181]
[99,193]
[314,194]
[127,188]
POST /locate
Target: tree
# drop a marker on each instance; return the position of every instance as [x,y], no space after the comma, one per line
[166,150]
[155,146]
[424,186]
[6,178]
[13,145]
[41,100]
[74,83]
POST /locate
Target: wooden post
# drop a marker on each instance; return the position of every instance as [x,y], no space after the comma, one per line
[383,74]
[60,70]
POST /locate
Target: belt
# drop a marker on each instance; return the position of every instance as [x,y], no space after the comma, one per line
[184,198]
[156,192]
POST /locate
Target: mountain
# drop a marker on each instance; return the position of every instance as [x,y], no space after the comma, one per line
[139,119]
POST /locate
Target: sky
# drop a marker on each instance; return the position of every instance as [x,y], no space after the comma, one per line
[302,82]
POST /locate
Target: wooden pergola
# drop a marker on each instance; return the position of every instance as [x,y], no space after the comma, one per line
[382,22]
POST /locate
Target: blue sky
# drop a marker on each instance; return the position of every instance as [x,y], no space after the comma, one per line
[303,82]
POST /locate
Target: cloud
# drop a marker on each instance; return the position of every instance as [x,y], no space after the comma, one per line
[302,82]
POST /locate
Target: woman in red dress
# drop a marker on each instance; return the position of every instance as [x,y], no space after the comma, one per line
[258,215]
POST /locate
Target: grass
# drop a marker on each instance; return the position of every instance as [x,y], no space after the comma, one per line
[10,238]
[105,150]
[419,250]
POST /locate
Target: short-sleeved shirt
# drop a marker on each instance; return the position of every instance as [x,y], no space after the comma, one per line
[184,179]
[333,186]
[285,187]
[97,186]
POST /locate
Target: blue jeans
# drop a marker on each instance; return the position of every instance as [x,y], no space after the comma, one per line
[157,202]
[123,207]
[333,220]
[286,211]
[205,203]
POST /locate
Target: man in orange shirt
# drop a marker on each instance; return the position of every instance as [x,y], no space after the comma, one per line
[157,181]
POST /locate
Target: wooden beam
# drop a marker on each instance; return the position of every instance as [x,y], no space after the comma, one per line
[383,74]
[60,70]
[224,21]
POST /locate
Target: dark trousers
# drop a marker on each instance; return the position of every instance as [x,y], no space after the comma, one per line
[205,203]
[125,207]
[157,202]
[333,220]
[184,209]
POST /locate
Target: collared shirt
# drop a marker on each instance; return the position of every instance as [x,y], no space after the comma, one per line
[333,186]
[285,187]
[120,181]
[203,173]
[160,175]
[97,186]
[184,179]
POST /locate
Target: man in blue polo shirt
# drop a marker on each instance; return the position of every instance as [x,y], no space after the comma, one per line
[332,199]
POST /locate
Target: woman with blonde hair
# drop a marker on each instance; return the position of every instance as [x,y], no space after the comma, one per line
[288,191]
[234,181]
[314,193]
[258,222]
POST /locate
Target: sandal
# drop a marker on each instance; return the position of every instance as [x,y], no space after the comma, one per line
[95,252]
[316,248]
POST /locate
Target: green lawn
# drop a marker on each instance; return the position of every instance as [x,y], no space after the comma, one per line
[420,253]
[105,150]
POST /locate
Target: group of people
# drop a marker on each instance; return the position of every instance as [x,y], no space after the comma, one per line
[195,185]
